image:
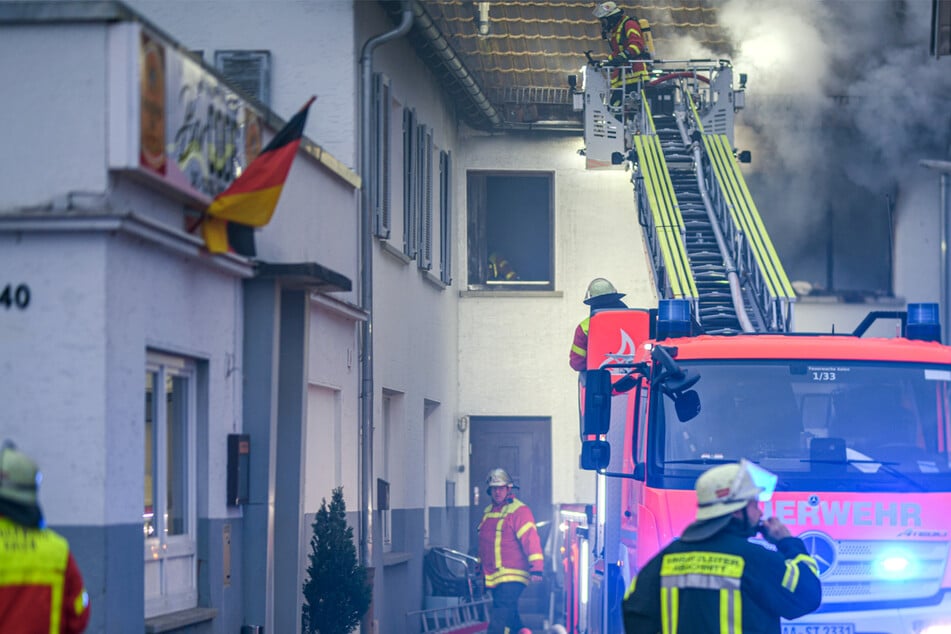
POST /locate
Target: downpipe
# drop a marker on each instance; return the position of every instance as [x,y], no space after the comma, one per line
[366,279]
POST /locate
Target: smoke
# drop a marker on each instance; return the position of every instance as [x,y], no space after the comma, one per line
[843,100]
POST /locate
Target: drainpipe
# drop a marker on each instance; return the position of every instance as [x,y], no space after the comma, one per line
[366,280]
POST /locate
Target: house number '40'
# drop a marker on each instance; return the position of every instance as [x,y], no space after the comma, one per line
[15,296]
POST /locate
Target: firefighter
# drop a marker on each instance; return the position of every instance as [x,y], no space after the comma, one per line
[626,39]
[510,553]
[600,295]
[41,589]
[713,579]
[500,269]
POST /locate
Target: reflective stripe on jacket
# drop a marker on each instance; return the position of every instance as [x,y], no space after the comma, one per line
[509,548]
[723,585]
[627,44]
[578,357]
[41,589]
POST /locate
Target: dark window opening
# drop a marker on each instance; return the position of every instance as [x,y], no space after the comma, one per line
[510,232]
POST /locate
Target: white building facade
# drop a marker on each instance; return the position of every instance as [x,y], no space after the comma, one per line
[132,359]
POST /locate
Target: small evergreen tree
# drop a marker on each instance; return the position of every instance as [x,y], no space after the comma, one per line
[336,592]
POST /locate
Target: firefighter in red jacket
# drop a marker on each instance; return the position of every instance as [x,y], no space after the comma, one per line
[41,589]
[601,295]
[627,43]
[713,579]
[510,553]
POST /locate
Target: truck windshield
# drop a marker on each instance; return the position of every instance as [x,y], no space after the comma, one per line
[818,425]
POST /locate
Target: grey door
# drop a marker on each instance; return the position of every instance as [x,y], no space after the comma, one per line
[521,446]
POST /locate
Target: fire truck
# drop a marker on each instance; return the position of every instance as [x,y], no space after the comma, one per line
[856,428]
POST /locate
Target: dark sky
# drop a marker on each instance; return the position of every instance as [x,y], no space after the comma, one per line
[843,100]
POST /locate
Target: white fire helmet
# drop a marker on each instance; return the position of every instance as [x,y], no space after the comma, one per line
[729,487]
[605,9]
[599,286]
[19,476]
[498,478]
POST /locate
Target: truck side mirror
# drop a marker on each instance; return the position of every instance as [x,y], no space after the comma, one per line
[597,403]
[687,405]
[595,455]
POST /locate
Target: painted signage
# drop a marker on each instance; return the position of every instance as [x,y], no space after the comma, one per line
[189,130]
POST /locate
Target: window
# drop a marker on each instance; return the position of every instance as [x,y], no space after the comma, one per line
[424,175]
[510,230]
[410,183]
[380,177]
[170,485]
[249,70]
[431,467]
[445,217]
[392,430]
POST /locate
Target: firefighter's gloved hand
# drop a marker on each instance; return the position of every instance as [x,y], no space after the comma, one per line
[615,62]
[773,530]
[537,577]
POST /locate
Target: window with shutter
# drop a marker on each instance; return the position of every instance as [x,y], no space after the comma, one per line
[445,217]
[248,70]
[410,183]
[380,178]
[425,259]
[510,240]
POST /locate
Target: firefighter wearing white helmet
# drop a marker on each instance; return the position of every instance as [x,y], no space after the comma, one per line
[626,38]
[41,588]
[714,579]
[601,295]
[510,552]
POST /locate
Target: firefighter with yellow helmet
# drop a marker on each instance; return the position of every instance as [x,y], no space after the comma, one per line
[600,295]
[510,552]
[713,579]
[41,588]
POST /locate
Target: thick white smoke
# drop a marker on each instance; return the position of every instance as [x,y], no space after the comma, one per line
[843,101]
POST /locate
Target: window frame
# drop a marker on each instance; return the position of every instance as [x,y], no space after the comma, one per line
[410,184]
[445,217]
[424,173]
[261,57]
[478,249]
[380,177]
[177,585]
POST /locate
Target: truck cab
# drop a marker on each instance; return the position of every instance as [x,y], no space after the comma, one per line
[856,429]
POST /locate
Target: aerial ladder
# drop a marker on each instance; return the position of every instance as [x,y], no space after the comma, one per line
[706,239]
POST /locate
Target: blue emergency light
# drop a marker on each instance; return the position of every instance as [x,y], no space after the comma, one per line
[924,322]
[673,318]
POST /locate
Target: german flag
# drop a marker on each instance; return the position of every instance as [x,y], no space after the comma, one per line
[251,198]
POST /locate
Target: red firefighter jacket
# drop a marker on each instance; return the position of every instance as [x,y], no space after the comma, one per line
[509,548]
[627,44]
[578,357]
[41,589]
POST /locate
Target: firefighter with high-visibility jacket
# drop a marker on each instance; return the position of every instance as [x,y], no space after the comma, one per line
[41,588]
[510,553]
[714,580]
[626,38]
[600,295]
